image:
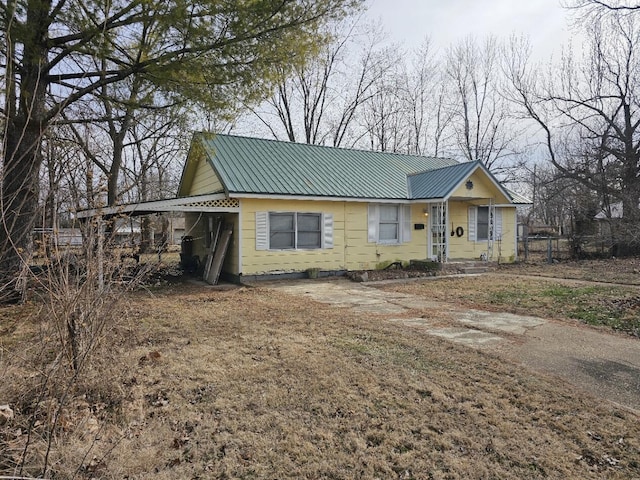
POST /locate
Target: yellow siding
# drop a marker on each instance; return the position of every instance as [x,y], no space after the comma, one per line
[483,187]
[205,180]
[255,262]
[232,260]
[351,250]
[363,255]
[462,247]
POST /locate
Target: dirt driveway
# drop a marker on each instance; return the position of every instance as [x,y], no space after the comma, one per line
[604,364]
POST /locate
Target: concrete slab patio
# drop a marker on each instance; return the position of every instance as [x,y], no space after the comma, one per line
[602,363]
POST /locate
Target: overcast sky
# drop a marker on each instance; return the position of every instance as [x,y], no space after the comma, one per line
[545,22]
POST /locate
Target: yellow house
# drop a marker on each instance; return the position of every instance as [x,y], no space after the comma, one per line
[294,207]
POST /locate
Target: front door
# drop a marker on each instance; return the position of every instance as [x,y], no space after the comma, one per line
[438,232]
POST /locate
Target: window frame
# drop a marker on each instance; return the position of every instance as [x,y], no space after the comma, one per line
[485,225]
[295,231]
[492,234]
[396,222]
[402,222]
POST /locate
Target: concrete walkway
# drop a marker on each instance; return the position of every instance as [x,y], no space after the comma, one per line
[602,363]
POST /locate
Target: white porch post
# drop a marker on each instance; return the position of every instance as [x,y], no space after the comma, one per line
[437,244]
[491,228]
[445,231]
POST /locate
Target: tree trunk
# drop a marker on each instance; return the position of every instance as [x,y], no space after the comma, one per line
[22,155]
[19,200]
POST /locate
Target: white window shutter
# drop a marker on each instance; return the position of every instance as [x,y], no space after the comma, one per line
[406,223]
[472,224]
[497,227]
[327,241]
[262,230]
[373,224]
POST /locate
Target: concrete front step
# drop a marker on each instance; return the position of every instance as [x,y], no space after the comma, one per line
[454,266]
[475,270]
[468,267]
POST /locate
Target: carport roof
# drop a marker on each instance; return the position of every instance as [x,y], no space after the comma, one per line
[217,202]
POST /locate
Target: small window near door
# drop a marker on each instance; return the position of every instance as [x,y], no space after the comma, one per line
[482,225]
[389,224]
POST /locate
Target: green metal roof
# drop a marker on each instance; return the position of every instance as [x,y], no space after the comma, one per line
[247,165]
[517,198]
[259,166]
[441,182]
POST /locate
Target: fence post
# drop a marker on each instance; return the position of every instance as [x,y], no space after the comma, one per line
[549,251]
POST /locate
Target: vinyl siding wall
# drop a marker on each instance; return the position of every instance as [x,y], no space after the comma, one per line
[205,180]
[482,188]
[351,249]
[464,248]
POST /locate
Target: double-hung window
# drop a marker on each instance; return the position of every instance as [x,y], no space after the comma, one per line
[482,222]
[293,231]
[282,231]
[482,226]
[389,223]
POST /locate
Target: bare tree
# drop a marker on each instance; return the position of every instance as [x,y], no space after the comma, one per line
[424,93]
[483,128]
[318,102]
[589,8]
[589,112]
[385,115]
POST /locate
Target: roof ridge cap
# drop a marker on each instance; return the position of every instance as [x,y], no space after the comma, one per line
[458,164]
[351,149]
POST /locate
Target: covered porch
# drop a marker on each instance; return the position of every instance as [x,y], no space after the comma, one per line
[460,229]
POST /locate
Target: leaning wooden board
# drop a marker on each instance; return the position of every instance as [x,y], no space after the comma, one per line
[212,249]
[219,254]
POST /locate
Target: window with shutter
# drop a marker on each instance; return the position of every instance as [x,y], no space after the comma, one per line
[479,224]
[293,230]
[389,224]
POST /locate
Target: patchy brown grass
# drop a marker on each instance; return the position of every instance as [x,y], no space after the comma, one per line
[620,270]
[251,383]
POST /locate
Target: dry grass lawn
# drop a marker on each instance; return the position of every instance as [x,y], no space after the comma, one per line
[620,270]
[253,384]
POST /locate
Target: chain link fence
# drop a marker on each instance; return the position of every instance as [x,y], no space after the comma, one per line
[558,248]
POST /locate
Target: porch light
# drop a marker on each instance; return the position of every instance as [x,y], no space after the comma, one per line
[469,184]
[426,212]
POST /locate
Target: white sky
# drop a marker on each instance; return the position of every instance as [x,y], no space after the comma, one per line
[407,22]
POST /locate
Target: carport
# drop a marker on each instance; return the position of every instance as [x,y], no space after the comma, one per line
[206,215]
